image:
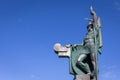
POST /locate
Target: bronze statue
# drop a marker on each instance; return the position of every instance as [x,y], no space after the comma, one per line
[83,57]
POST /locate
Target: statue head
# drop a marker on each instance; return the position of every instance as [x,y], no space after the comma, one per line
[90,27]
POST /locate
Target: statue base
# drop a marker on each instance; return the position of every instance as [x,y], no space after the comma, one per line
[82,77]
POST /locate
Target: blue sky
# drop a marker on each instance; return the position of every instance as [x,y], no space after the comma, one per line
[30,28]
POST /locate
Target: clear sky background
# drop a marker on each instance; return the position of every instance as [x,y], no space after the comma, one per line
[30,28]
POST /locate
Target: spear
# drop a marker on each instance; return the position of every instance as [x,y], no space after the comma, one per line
[94,21]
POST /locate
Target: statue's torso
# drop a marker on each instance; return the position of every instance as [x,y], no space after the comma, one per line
[89,41]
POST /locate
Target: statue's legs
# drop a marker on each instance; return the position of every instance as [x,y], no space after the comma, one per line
[92,50]
[80,64]
[92,56]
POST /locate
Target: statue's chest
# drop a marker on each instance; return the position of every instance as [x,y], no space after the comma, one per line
[89,35]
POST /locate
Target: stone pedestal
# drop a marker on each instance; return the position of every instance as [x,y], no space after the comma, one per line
[82,77]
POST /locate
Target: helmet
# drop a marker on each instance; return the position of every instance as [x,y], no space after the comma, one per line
[90,25]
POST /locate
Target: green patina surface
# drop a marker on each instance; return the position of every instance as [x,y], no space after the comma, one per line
[75,52]
[81,49]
